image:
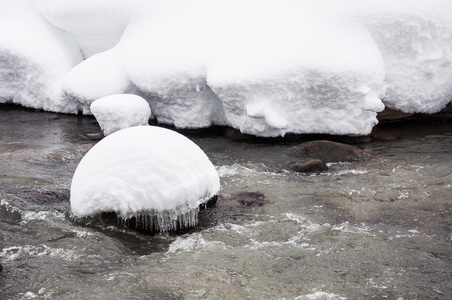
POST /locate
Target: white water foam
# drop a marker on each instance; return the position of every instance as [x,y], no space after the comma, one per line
[19,252]
[28,216]
[319,295]
[194,242]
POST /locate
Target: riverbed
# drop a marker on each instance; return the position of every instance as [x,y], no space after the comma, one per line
[380,228]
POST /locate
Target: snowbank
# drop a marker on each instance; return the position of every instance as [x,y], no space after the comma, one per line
[415,40]
[264,78]
[118,112]
[34,58]
[265,67]
[144,170]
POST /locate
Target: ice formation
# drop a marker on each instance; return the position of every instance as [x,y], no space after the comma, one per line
[151,173]
[265,67]
[121,111]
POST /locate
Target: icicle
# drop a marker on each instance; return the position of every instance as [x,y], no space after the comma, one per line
[159,221]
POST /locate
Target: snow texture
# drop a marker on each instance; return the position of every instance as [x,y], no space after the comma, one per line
[265,67]
[143,170]
[100,75]
[34,58]
[96,25]
[121,111]
[415,41]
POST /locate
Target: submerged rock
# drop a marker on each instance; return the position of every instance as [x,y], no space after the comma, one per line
[328,151]
[251,198]
[311,166]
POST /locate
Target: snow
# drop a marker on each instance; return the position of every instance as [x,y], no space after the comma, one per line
[98,76]
[265,67]
[415,40]
[96,25]
[121,111]
[299,89]
[34,58]
[258,77]
[143,170]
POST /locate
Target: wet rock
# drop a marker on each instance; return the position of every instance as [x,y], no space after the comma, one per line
[234,134]
[95,136]
[392,115]
[382,135]
[311,166]
[211,202]
[328,151]
[1,268]
[250,198]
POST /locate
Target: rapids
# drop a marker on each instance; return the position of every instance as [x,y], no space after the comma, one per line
[376,229]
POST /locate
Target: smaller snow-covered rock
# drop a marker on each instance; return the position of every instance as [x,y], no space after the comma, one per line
[145,171]
[117,112]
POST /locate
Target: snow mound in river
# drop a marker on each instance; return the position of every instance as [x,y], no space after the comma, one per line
[145,171]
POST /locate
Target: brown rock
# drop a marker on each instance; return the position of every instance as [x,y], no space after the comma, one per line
[312,166]
[250,198]
[328,151]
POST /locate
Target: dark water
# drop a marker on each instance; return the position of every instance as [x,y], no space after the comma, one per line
[378,229]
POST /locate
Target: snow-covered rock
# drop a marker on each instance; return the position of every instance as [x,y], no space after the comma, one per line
[34,58]
[145,171]
[121,111]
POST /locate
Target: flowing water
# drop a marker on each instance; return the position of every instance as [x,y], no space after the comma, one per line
[377,229]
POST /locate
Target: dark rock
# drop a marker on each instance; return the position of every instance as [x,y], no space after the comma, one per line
[251,198]
[392,115]
[312,166]
[328,151]
[95,136]
[211,202]
[1,268]
[382,135]
[234,134]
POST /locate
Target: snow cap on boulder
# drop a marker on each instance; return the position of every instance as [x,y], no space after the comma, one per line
[121,111]
[145,170]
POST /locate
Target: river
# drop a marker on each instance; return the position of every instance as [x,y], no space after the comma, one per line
[376,229]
